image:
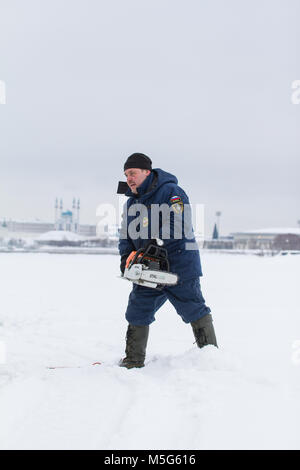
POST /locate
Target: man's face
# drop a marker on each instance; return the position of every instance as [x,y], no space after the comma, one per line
[135,177]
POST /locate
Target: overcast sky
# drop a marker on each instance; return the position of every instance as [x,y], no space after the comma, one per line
[202,87]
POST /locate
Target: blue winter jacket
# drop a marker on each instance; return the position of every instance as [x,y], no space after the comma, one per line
[159,188]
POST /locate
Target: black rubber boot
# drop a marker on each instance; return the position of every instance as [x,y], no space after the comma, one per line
[204,332]
[136,343]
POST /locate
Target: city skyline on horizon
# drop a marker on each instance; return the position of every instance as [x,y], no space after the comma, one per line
[215,220]
[208,97]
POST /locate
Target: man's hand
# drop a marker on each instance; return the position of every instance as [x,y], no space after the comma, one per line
[123,262]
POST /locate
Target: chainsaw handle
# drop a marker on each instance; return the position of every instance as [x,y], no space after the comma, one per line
[133,257]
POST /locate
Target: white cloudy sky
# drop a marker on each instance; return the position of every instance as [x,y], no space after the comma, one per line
[202,87]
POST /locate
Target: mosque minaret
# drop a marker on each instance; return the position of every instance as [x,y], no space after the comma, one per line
[67,220]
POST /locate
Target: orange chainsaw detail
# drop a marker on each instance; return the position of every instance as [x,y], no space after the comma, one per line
[132,255]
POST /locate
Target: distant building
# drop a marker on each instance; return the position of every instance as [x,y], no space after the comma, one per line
[67,220]
[263,239]
[221,243]
[287,242]
[63,220]
[87,230]
[29,227]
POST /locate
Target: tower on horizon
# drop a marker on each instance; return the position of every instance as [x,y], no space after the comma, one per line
[67,220]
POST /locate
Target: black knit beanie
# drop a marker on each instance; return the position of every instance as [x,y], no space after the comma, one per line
[138,160]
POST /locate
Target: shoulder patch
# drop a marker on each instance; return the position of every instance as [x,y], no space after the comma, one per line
[175,199]
[176,204]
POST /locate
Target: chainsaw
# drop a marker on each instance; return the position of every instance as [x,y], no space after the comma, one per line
[149,267]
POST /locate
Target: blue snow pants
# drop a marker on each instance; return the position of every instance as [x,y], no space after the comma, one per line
[186,297]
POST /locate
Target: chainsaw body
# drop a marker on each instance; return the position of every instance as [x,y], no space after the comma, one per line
[149,267]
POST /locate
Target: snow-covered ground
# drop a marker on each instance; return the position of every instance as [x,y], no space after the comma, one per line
[69,310]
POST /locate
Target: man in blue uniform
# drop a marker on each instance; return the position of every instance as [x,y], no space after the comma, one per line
[150,187]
